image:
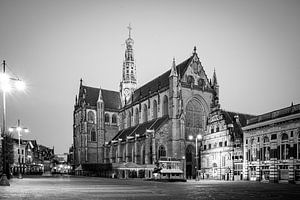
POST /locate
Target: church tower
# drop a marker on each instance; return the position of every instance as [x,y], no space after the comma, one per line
[129,81]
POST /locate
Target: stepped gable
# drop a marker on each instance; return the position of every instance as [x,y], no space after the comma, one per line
[140,129]
[160,82]
[111,98]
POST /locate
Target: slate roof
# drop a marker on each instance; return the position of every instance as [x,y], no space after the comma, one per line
[159,82]
[111,98]
[229,117]
[140,129]
[293,109]
[237,127]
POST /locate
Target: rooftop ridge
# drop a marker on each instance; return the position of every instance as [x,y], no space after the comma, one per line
[238,112]
[275,114]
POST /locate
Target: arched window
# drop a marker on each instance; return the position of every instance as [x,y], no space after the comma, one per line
[165,109]
[129,119]
[132,155]
[252,150]
[266,149]
[106,118]
[190,80]
[114,119]
[91,117]
[143,157]
[136,116]
[298,154]
[154,109]
[145,113]
[284,147]
[93,135]
[194,118]
[116,156]
[124,156]
[161,152]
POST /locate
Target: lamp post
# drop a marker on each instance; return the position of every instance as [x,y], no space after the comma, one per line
[6,86]
[19,129]
[230,127]
[198,137]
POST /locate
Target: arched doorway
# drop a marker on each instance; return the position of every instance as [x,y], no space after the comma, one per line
[190,162]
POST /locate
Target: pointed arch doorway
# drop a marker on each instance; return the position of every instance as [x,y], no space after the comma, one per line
[190,162]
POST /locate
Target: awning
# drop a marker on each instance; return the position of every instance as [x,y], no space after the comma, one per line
[79,168]
[131,165]
[171,171]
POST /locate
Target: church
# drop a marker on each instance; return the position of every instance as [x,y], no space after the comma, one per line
[137,129]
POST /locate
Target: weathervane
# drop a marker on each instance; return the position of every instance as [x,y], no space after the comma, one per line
[129,28]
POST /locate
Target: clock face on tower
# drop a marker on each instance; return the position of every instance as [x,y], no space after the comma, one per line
[126,92]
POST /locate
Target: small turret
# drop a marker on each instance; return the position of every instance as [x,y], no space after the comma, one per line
[214,80]
[173,69]
[215,87]
[100,98]
[173,92]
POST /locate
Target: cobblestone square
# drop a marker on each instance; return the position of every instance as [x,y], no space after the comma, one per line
[101,188]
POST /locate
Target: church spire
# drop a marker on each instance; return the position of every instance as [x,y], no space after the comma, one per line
[215,82]
[129,80]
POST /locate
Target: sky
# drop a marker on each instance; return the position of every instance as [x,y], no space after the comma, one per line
[253,46]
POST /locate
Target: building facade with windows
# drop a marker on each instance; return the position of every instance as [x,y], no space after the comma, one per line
[31,157]
[222,145]
[272,146]
[135,127]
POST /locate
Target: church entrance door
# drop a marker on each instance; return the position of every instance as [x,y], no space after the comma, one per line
[190,162]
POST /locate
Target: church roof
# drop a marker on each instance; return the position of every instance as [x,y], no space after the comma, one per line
[141,128]
[159,82]
[111,98]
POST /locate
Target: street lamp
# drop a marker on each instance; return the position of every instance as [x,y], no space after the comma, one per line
[198,137]
[19,129]
[7,83]
[230,127]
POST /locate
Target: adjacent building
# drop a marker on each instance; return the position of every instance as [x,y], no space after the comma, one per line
[30,158]
[272,146]
[222,146]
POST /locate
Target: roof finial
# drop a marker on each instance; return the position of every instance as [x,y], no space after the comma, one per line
[195,49]
[81,81]
[129,29]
